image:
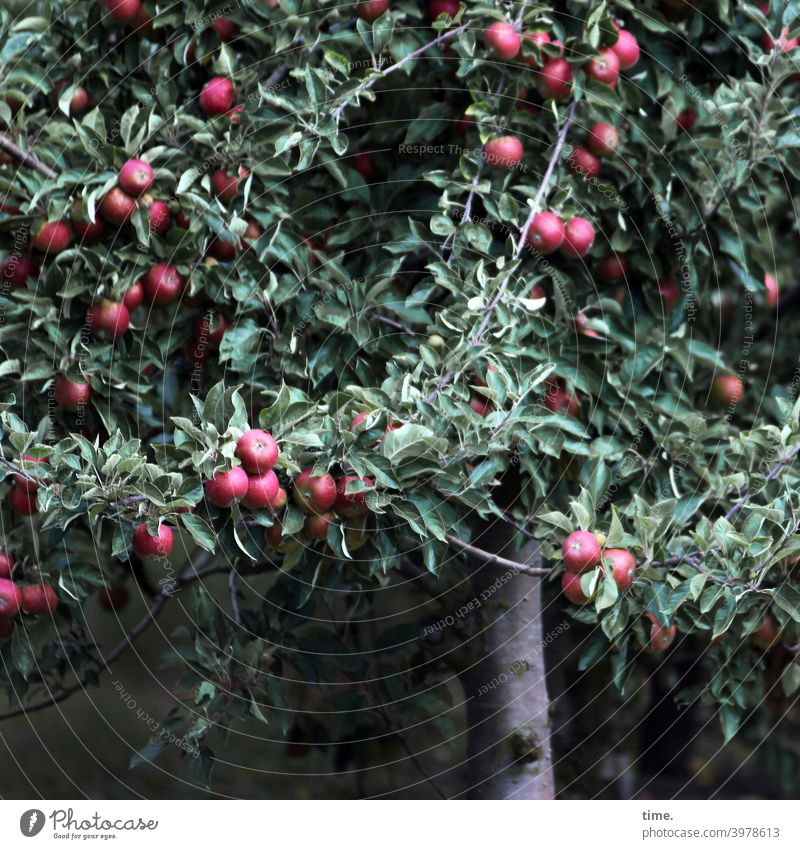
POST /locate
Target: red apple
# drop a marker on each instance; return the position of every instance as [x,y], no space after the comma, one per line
[39,599]
[686,119]
[613,268]
[624,567]
[578,237]
[784,43]
[571,587]
[217,96]
[78,103]
[539,38]
[86,232]
[212,328]
[316,525]
[581,551]
[163,284]
[17,270]
[661,636]
[546,233]
[584,162]
[121,11]
[771,285]
[22,501]
[133,298]
[358,419]
[226,29]
[363,163]
[767,634]
[502,40]
[117,207]
[314,494]
[627,49]
[147,545]
[108,319]
[226,487]
[555,79]
[353,505]
[158,212]
[558,400]
[602,139]
[52,237]
[10,598]
[136,177]
[6,565]
[257,450]
[222,249]
[224,185]
[481,406]
[442,7]
[371,9]
[503,152]
[262,491]
[71,395]
[280,500]
[605,67]
[726,390]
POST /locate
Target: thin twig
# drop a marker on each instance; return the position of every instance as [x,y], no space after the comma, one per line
[495,559]
[234,594]
[445,36]
[26,157]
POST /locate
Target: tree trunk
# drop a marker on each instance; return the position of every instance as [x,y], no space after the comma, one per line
[508,738]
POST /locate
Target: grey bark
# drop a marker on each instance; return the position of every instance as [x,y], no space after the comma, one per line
[507,705]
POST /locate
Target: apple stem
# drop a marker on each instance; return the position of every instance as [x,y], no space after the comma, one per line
[26,158]
[488,557]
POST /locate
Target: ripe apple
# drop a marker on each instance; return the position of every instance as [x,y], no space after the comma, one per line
[314,494]
[86,231]
[278,541]
[503,152]
[784,43]
[235,114]
[613,268]
[257,450]
[365,166]
[10,598]
[225,185]
[358,419]
[624,567]
[605,67]
[71,395]
[661,636]
[212,327]
[52,237]
[226,29]
[133,298]
[371,9]
[771,285]
[117,207]
[222,249]
[686,120]
[78,103]
[669,291]
[136,177]
[602,139]
[546,233]
[353,505]
[502,40]
[626,49]
[6,565]
[252,234]
[558,400]
[23,501]
[539,38]
[39,599]
[262,490]
[121,11]
[442,7]
[163,284]
[767,634]
[217,96]
[581,551]
[578,237]
[17,270]
[108,319]
[481,406]
[726,390]
[555,79]
[146,545]
[571,587]
[584,162]
[226,487]
[113,598]
[158,212]
[316,525]
[280,500]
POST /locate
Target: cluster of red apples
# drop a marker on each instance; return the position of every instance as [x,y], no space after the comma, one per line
[37,599]
[255,485]
[583,552]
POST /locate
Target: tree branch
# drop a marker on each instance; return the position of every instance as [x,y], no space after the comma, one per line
[26,158]
[495,559]
[445,36]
